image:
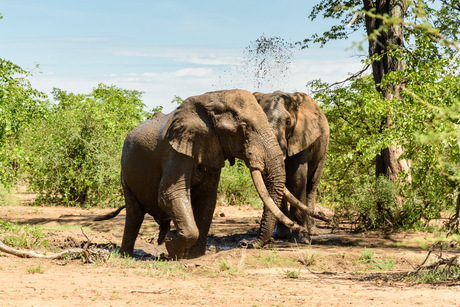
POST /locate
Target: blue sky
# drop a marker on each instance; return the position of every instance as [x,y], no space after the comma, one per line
[163,48]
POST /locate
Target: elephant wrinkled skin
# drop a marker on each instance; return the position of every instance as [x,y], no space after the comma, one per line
[170,167]
[302,131]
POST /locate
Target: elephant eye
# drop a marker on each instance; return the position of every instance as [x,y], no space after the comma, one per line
[288,122]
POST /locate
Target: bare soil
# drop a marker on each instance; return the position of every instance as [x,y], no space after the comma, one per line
[326,273]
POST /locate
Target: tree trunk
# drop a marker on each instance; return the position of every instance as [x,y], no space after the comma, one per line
[388,162]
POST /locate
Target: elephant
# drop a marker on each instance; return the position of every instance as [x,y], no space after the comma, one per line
[302,131]
[171,163]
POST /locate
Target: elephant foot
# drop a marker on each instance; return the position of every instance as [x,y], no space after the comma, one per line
[300,238]
[281,232]
[175,250]
[313,230]
[126,252]
[197,250]
[254,244]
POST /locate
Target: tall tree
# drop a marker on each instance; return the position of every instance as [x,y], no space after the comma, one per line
[385,40]
[385,45]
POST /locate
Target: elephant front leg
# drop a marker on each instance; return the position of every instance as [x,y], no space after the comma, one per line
[267,225]
[186,233]
[297,183]
[174,200]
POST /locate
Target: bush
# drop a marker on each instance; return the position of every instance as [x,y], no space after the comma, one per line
[74,151]
[355,115]
[19,105]
[236,187]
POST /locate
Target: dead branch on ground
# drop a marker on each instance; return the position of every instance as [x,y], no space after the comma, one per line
[74,253]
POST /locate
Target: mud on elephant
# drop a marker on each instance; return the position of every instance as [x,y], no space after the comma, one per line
[170,168]
[302,131]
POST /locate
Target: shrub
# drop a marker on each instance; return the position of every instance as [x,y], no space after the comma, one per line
[236,187]
[74,150]
[19,105]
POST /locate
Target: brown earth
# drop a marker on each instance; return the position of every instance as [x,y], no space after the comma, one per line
[327,273]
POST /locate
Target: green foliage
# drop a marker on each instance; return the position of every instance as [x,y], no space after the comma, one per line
[436,275]
[177,100]
[386,264]
[4,195]
[424,121]
[22,236]
[236,187]
[293,274]
[74,150]
[367,255]
[19,105]
[36,270]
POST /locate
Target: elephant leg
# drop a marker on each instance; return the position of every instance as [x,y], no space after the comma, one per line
[296,183]
[134,218]
[267,225]
[174,200]
[204,197]
[312,188]
[282,231]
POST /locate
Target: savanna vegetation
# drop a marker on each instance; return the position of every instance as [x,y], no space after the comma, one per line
[67,148]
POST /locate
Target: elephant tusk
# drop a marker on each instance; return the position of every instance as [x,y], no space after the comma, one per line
[268,201]
[301,206]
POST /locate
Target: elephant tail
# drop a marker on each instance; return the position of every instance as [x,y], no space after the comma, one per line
[109,216]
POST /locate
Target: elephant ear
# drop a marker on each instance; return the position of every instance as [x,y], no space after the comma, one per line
[193,134]
[307,124]
[258,96]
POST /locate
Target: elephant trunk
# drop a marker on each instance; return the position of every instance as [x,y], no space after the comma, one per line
[302,207]
[270,204]
[270,184]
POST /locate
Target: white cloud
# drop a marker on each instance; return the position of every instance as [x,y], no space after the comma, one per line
[200,56]
[193,72]
[161,87]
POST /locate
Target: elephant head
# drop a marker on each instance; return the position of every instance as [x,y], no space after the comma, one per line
[294,120]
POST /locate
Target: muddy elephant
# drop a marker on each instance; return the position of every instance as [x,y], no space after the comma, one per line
[302,131]
[171,163]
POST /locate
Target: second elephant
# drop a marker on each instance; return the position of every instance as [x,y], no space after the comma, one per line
[302,131]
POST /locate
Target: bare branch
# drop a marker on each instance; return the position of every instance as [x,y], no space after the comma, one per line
[359,73]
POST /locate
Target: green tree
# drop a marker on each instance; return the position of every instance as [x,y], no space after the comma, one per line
[74,150]
[413,86]
[385,40]
[19,105]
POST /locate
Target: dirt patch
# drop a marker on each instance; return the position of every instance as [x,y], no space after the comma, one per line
[328,272]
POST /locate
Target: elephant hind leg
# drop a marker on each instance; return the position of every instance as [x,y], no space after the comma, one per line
[134,218]
[204,197]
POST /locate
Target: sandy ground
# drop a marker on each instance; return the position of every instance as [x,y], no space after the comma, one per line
[326,273]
